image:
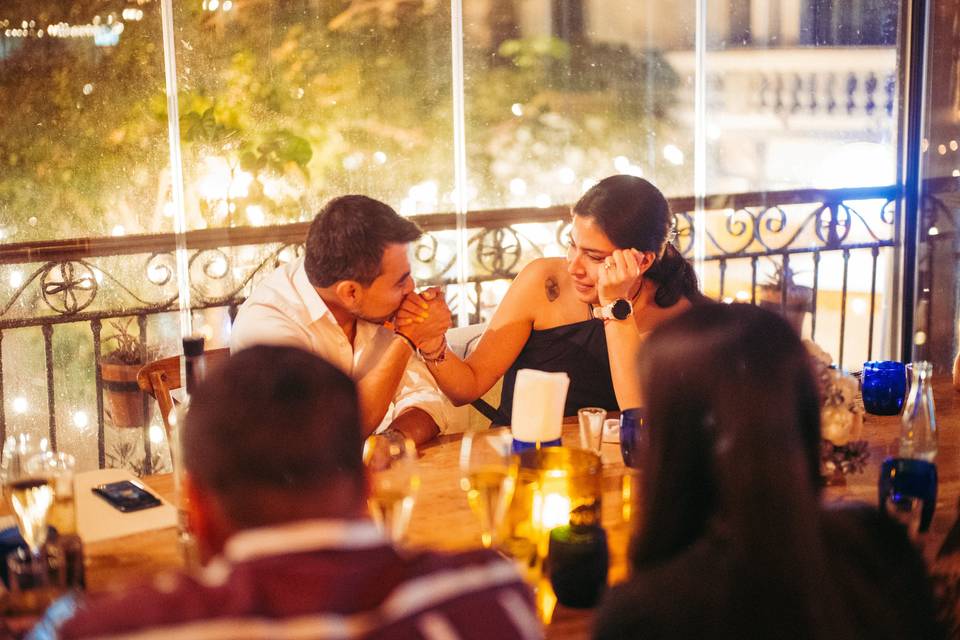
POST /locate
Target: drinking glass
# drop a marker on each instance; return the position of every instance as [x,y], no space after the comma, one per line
[16,451]
[488,473]
[884,386]
[394,480]
[58,468]
[633,436]
[29,496]
[908,492]
[591,427]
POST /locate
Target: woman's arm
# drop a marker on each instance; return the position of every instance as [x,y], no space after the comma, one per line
[463,381]
[624,339]
[623,346]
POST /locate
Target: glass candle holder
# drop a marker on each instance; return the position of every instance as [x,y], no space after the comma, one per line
[884,386]
[556,486]
[577,562]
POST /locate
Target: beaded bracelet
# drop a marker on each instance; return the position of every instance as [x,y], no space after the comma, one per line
[436,357]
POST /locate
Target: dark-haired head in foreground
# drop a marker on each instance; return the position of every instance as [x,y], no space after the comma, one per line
[273,436]
[734,541]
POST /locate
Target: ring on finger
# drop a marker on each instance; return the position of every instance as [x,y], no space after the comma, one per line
[607,264]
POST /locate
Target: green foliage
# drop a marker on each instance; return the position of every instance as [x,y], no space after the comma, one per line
[317,98]
[127,347]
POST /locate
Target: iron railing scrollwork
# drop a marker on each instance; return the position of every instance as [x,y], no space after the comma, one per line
[746,235]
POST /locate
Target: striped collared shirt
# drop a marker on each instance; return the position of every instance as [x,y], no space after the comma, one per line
[320,579]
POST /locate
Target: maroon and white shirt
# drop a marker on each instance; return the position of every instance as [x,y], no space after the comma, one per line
[320,579]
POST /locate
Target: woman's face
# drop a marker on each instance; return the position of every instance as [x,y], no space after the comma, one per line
[589,246]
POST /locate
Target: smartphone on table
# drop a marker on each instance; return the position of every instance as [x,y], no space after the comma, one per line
[127,496]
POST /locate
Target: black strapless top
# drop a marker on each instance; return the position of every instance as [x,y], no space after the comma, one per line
[580,351]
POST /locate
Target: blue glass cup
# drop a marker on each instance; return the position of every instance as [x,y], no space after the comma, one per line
[633,436]
[905,484]
[884,386]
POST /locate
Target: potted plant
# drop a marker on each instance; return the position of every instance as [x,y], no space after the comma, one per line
[799,297]
[118,368]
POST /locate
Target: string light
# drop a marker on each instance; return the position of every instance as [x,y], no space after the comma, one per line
[20,405]
[156,434]
[81,420]
[103,34]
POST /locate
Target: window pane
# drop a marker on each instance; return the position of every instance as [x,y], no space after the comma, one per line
[558,96]
[802,94]
[85,168]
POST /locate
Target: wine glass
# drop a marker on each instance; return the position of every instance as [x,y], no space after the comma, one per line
[391,464]
[30,495]
[59,469]
[488,473]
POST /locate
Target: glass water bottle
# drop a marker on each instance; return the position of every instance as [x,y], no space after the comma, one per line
[918,423]
[194,369]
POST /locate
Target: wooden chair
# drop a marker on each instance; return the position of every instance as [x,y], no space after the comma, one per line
[160,377]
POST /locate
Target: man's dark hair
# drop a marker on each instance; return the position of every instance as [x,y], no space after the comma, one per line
[273,421]
[347,238]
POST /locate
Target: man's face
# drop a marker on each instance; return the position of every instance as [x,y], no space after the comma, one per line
[385,294]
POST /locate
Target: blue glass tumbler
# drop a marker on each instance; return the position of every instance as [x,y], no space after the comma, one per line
[633,436]
[903,482]
[884,386]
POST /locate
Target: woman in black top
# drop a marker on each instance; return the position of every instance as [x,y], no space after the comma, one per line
[734,541]
[620,264]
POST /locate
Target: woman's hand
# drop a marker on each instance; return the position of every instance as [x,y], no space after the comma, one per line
[424,318]
[619,276]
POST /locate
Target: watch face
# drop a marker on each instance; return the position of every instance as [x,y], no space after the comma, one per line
[621,309]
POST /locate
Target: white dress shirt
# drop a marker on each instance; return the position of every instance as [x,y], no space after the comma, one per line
[284,309]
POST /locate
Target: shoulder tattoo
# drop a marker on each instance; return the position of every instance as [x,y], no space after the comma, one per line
[552,288]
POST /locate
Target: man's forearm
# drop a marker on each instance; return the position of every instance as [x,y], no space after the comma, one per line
[377,388]
[416,424]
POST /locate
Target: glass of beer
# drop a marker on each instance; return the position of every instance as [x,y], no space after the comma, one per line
[58,468]
[29,495]
[394,481]
[488,473]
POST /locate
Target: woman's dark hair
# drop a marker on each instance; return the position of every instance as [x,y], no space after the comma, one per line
[633,213]
[734,425]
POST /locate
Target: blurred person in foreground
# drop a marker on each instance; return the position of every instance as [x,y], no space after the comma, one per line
[277,497]
[334,302]
[735,541]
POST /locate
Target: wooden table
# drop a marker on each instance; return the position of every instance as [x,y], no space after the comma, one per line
[443,520]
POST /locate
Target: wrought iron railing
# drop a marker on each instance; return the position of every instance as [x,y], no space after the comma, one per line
[95,280]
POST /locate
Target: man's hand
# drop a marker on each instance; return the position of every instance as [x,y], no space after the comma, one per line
[424,318]
[619,276]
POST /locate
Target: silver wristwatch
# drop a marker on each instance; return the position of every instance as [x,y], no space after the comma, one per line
[619,309]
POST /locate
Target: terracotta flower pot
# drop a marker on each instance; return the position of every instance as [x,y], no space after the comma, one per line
[123,398]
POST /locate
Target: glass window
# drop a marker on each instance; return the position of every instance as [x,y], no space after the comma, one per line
[772,125]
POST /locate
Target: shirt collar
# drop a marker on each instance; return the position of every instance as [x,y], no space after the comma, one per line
[312,301]
[303,535]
